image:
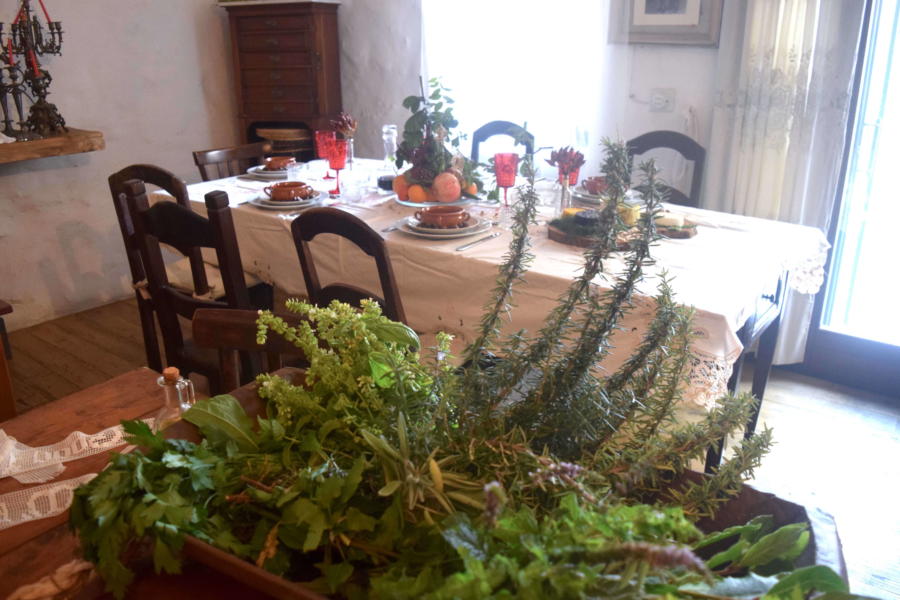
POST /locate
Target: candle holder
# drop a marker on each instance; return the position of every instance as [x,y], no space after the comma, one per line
[20,49]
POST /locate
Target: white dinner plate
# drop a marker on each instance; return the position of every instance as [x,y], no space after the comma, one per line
[260,171]
[416,225]
[405,228]
[268,205]
[292,203]
[583,196]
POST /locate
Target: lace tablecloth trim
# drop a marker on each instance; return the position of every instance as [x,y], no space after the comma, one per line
[42,463]
[807,274]
[39,502]
[708,381]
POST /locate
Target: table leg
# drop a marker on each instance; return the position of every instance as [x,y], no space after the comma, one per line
[764,354]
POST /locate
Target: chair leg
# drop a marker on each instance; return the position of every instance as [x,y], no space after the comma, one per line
[148,327]
[7,400]
[4,337]
[765,353]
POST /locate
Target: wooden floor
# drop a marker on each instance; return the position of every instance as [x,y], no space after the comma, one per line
[836,447]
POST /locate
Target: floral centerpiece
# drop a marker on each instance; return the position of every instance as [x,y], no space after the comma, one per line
[438,172]
[531,475]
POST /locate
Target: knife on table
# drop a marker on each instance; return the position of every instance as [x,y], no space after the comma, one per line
[478,241]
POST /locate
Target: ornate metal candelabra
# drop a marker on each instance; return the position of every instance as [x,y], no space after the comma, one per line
[22,80]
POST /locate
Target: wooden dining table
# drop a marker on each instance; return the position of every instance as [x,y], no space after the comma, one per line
[35,549]
[731,272]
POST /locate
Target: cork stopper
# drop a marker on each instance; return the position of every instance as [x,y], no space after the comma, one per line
[171,374]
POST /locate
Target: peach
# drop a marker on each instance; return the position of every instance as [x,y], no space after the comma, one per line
[446,187]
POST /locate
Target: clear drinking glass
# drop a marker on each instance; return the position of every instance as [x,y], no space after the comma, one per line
[389,135]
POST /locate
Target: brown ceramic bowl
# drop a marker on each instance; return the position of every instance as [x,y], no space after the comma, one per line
[595,185]
[278,163]
[442,216]
[287,191]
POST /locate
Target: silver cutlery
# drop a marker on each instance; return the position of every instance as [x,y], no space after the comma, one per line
[478,241]
[389,229]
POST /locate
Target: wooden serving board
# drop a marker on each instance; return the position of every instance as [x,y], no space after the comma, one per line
[583,241]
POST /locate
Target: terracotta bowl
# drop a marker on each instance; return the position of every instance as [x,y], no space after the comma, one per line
[278,163]
[287,191]
[442,216]
[595,185]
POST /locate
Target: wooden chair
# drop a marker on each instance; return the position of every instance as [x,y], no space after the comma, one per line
[7,400]
[685,146]
[179,227]
[489,130]
[233,332]
[177,189]
[316,221]
[261,294]
[5,309]
[228,162]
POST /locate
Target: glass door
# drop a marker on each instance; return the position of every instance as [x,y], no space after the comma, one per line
[855,334]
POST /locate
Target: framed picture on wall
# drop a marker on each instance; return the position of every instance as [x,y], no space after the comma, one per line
[686,22]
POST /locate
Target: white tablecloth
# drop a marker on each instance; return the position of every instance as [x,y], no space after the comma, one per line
[722,271]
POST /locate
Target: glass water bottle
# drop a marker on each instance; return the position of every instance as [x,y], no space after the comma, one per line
[389,135]
[179,396]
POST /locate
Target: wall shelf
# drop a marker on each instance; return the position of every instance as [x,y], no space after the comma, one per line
[72,142]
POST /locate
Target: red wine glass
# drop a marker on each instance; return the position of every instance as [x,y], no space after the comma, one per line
[506,165]
[323,146]
[337,160]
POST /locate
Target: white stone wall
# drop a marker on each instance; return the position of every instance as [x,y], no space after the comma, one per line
[155,77]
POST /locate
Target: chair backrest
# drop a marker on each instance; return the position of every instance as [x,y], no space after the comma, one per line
[228,162]
[685,146]
[233,332]
[168,182]
[172,224]
[316,221]
[517,132]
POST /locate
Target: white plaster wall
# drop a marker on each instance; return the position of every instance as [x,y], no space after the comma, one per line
[155,77]
[381,48]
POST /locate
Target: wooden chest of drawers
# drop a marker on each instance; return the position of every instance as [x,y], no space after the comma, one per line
[286,64]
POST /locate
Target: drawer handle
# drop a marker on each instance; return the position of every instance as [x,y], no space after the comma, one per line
[275,58]
[278,109]
[275,75]
[278,93]
[272,41]
[769,297]
[271,23]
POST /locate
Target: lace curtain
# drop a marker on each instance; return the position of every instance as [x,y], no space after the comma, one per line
[783,83]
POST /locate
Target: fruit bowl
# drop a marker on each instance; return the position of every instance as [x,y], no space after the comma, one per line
[463,201]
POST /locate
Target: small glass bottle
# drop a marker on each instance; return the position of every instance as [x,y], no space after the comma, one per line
[389,135]
[179,396]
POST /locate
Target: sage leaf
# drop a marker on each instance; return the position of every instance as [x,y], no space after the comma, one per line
[222,419]
[773,546]
[389,488]
[819,578]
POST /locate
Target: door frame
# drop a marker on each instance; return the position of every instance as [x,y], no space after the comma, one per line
[837,357]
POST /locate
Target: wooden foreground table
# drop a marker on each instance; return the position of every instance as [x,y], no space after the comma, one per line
[35,549]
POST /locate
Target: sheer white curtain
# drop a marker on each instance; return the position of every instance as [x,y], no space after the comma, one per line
[521,61]
[784,78]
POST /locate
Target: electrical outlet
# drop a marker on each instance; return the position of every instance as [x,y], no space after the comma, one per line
[662,100]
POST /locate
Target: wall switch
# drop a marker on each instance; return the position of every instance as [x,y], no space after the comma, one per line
[662,100]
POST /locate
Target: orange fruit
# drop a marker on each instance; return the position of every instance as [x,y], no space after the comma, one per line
[472,189]
[417,194]
[446,187]
[401,188]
